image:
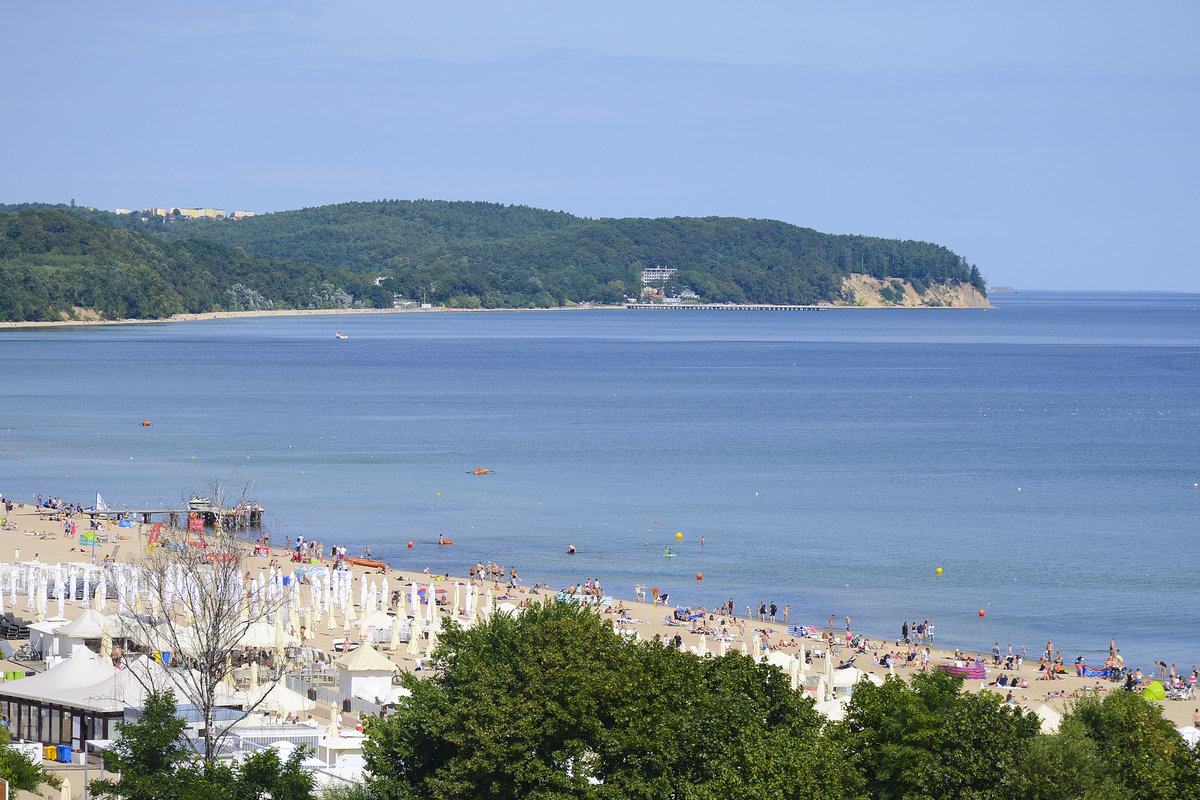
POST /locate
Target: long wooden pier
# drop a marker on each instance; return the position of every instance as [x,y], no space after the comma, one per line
[719,307]
[241,517]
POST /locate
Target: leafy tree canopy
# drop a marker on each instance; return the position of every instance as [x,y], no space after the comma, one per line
[553,704]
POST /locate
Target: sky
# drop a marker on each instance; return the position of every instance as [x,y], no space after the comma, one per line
[1053,145]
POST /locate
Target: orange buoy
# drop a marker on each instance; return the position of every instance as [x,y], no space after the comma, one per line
[410,545]
[981,612]
[146,423]
[699,576]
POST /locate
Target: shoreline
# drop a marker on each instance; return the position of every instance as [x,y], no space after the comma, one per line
[36,533]
[316,312]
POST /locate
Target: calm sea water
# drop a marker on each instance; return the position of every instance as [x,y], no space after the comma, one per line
[1043,453]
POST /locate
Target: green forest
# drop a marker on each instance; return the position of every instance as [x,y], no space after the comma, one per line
[460,254]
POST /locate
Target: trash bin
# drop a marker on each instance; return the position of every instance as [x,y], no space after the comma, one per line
[50,752]
[64,754]
[346,705]
[81,758]
[312,693]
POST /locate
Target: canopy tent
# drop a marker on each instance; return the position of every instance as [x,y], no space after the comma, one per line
[1050,719]
[262,635]
[834,709]
[1190,734]
[1154,691]
[377,619]
[279,698]
[852,675]
[83,668]
[88,625]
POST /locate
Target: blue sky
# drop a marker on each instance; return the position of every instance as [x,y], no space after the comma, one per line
[1051,144]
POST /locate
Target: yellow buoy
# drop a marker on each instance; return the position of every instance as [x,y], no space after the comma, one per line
[679,535]
[939,570]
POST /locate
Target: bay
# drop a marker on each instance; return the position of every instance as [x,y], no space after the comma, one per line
[1043,453]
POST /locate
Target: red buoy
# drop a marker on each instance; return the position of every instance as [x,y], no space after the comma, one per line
[410,545]
[981,612]
[699,576]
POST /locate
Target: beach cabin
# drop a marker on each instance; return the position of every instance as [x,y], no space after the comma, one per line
[365,673]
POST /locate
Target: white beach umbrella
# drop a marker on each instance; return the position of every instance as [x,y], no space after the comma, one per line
[891,668]
[413,599]
[87,591]
[722,648]
[432,642]
[824,693]
[362,591]
[413,635]
[430,603]
[745,649]
[60,589]
[253,675]
[702,647]
[756,645]
[102,595]
[395,644]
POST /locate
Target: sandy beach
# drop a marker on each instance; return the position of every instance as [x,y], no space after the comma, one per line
[31,534]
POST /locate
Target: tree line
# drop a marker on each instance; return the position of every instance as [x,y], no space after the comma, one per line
[53,262]
[459,254]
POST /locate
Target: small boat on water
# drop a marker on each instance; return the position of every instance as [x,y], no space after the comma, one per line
[482,470]
[198,503]
[338,334]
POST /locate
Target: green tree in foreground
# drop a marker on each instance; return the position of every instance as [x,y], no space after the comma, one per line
[155,763]
[1142,753]
[929,739]
[19,771]
[553,704]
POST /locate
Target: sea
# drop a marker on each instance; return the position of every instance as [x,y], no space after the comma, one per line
[1043,454]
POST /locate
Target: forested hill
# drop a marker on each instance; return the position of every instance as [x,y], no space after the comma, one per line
[468,253]
[55,265]
[59,260]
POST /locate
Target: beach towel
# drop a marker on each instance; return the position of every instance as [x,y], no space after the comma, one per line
[975,672]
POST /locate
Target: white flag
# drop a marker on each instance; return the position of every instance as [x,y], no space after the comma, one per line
[100,504]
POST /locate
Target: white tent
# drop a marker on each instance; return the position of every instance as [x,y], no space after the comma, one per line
[1049,717]
[262,635]
[778,658]
[1190,734]
[83,668]
[852,675]
[834,709]
[279,698]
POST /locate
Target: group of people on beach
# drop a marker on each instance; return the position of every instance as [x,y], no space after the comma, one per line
[919,633]
[495,573]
